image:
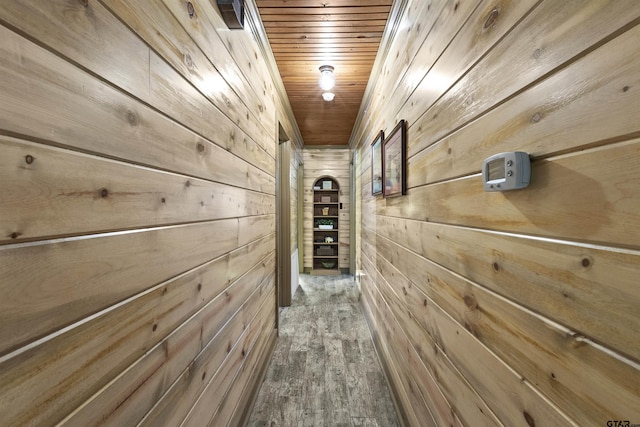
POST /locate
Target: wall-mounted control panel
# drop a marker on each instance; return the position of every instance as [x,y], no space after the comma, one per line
[506,171]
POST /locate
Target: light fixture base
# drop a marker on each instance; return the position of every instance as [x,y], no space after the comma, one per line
[328,96]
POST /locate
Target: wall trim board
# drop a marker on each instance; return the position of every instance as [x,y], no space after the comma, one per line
[283,224]
[300,214]
[295,272]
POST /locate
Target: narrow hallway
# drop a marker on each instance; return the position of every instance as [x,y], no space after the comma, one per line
[324,371]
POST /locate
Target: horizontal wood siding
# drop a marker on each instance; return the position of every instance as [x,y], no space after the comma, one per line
[516,308]
[333,162]
[137,216]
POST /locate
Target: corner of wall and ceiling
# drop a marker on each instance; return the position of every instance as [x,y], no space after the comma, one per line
[257,29]
[393,24]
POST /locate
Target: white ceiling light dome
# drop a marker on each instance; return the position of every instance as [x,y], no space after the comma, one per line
[327,79]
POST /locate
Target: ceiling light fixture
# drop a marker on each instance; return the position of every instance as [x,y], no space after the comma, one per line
[327,79]
[328,96]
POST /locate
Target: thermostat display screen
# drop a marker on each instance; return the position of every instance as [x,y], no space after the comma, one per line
[496,169]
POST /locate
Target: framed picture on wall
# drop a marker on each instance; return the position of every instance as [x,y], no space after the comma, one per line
[376,164]
[394,161]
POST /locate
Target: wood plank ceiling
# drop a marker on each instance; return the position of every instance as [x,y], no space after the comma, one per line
[305,34]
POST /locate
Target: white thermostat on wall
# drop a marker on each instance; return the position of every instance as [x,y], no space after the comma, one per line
[506,171]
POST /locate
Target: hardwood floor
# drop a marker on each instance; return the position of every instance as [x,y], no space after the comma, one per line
[324,371]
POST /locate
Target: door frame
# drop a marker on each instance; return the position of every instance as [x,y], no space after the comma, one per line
[283,220]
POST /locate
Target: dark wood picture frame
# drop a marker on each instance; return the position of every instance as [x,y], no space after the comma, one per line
[376,164]
[394,161]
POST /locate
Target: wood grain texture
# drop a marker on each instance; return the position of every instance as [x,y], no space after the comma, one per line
[137,249]
[561,34]
[521,337]
[145,76]
[61,192]
[93,117]
[523,302]
[589,196]
[142,382]
[595,93]
[212,364]
[158,27]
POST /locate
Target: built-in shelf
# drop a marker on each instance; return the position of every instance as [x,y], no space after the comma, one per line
[326,206]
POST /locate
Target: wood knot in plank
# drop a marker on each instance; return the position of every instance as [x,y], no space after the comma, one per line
[529,419]
[29,159]
[132,118]
[470,301]
[188,61]
[492,17]
[536,117]
[191,10]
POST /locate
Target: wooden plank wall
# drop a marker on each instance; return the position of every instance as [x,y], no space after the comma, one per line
[137,213]
[332,162]
[516,308]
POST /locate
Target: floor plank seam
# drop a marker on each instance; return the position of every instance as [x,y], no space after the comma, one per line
[324,370]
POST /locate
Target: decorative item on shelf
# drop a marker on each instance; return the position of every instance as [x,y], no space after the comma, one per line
[328,239]
[325,224]
[328,264]
[325,251]
[327,185]
[325,199]
[325,211]
[316,187]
